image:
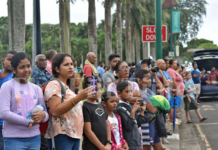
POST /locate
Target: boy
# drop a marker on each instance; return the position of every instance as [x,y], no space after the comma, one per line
[130,117]
[149,132]
[97,133]
[5,75]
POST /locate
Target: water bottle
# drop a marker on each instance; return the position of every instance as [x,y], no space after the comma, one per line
[37,107]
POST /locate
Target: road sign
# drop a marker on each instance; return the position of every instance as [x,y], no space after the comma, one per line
[149,33]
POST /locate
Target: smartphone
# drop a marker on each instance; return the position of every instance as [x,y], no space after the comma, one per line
[141,102]
[93,82]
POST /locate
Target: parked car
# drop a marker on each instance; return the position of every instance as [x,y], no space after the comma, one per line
[206,59]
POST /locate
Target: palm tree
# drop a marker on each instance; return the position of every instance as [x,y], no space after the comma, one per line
[16,25]
[92,31]
[128,32]
[108,30]
[64,16]
[119,29]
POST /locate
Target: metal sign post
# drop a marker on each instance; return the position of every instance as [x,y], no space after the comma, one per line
[149,51]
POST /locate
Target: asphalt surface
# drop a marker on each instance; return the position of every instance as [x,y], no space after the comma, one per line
[207,131]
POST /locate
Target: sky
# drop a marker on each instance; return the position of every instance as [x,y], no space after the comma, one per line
[79,13]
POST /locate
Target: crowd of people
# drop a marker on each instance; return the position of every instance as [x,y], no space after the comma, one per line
[106,108]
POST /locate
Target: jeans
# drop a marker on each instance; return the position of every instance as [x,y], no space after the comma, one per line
[64,142]
[1,139]
[32,143]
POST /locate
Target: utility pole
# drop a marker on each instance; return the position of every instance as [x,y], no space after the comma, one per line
[158,22]
[37,46]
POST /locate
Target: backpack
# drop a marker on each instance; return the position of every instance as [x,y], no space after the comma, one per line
[44,125]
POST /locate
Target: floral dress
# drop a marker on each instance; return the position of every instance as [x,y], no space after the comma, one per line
[70,123]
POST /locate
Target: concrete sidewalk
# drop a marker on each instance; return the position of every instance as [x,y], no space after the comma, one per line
[184,137]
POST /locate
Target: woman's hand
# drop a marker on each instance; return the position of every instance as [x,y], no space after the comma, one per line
[88,92]
[38,116]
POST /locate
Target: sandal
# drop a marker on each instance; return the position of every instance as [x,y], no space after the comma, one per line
[189,121]
[203,119]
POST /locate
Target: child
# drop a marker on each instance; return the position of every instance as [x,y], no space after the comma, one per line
[130,117]
[97,134]
[109,100]
[189,99]
[18,97]
[149,131]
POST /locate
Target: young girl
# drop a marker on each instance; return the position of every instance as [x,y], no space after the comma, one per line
[109,100]
[189,100]
[18,97]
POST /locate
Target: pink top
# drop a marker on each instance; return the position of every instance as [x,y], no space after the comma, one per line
[179,80]
[213,76]
[113,87]
[113,139]
[70,123]
[49,67]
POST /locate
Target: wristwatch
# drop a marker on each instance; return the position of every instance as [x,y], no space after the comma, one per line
[110,142]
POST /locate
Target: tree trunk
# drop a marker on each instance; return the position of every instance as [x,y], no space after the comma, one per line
[64,16]
[132,43]
[92,31]
[119,30]
[128,34]
[16,25]
[145,50]
[108,30]
[138,49]
[100,55]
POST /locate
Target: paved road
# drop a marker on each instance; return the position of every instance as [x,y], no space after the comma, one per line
[208,130]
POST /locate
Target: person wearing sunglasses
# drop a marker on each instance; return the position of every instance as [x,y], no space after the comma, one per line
[122,71]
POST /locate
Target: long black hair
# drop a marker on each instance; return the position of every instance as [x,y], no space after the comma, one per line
[57,61]
[17,58]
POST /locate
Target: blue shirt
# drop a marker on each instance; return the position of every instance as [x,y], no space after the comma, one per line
[167,76]
[40,77]
[153,87]
[198,79]
[101,71]
[3,80]
[188,86]
[146,95]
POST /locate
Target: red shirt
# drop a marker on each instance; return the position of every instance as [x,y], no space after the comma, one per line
[213,76]
[87,70]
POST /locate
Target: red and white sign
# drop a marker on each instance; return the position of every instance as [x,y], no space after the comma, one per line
[149,33]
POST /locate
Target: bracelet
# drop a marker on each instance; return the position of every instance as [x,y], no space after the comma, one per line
[102,148]
[30,125]
[73,102]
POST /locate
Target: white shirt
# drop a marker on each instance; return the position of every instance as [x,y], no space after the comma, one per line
[115,126]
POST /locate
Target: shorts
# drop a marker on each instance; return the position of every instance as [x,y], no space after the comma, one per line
[149,134]
[190,106]
[197,89]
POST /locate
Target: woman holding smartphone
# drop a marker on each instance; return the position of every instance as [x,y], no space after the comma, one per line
[67,116]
